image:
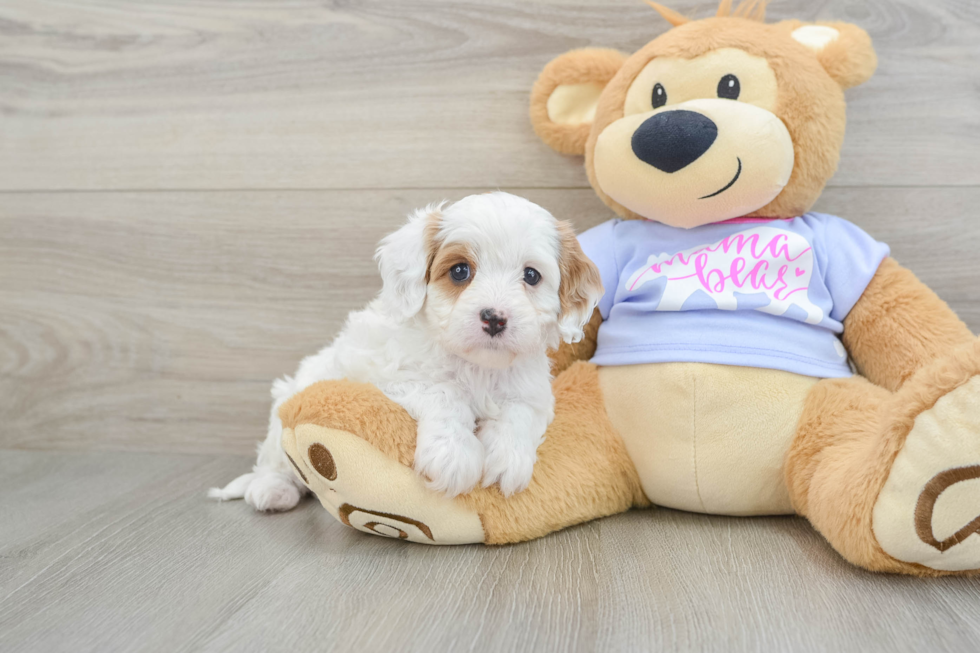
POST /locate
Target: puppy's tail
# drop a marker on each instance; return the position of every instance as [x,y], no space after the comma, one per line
[234,490]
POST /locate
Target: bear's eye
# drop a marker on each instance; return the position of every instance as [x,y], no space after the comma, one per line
[459,272]
[729,88]
[659,95]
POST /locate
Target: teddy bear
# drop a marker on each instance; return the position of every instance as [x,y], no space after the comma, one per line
[749,356]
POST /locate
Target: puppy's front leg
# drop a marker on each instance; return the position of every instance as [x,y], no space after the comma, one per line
[511,444]
[447,451]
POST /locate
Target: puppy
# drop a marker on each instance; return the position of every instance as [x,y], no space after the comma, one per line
[473,296]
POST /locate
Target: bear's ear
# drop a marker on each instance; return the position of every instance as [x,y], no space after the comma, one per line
[844,50]
[564,99]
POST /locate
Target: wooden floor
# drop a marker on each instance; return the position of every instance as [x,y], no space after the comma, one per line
[190,193]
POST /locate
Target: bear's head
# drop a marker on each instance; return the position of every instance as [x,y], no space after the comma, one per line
[715,119]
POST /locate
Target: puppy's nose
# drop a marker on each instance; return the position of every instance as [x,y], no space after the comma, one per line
[672,140]
[493,322]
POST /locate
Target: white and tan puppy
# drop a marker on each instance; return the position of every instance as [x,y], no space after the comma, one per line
[473,296]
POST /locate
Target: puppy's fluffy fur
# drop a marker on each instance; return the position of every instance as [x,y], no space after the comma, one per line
[431,341]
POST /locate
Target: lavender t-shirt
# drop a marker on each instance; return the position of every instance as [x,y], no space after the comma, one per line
[756,293]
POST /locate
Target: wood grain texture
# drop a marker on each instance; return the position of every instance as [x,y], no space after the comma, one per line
[131,557]
[244,94]
[190,194]
[156,321]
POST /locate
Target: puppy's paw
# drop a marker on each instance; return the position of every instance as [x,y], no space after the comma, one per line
[272,491]
[453,462]
[509,460]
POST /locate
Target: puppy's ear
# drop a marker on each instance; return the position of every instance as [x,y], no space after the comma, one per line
[565,97]
[844,50]
[580,288]
[404,258]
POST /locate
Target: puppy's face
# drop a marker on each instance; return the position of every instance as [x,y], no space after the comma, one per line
[502,278]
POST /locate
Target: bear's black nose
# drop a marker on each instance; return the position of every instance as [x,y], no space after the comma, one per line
[672,140]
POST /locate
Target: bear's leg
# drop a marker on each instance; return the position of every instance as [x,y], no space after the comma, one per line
[354,448]
[893,480]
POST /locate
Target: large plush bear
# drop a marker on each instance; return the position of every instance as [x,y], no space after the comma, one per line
[716,374]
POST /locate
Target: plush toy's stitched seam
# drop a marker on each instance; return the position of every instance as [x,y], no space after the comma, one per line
[694,436]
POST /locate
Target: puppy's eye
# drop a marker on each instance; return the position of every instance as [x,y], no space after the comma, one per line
[659,95]
[729,88]
[459,272]
[531,276]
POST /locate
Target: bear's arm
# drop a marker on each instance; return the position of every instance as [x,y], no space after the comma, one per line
[898,326]
[566,354]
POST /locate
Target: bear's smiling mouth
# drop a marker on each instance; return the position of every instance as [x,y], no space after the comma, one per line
[729,185]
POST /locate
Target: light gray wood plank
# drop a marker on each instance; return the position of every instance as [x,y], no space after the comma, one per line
[156,321]
[163,94]
[55,505]
[713,583]
[143,569]
[97,559]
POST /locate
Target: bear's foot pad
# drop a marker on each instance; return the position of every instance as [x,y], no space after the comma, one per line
[928,511]
[368,491]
